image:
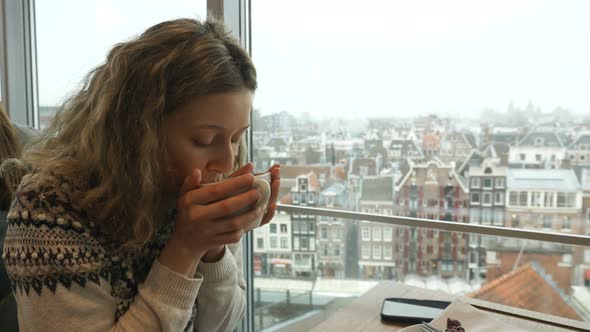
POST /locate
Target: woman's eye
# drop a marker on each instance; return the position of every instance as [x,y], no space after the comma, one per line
[201,142]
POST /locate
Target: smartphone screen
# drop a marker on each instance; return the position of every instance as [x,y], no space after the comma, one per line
[411,311]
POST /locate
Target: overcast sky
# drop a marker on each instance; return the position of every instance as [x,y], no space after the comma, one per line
[376,58]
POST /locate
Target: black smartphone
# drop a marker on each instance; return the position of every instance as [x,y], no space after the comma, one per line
[411,311]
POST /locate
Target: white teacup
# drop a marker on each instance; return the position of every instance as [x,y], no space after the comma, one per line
[262,183]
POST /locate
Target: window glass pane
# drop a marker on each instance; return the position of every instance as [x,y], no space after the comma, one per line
[440,117]
[69,47]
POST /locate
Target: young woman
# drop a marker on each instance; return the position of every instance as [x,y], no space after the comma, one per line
[111,228]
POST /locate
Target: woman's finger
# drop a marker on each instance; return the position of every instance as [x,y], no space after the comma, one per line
[191,182]
[270,213]
[248,168]
[236,223]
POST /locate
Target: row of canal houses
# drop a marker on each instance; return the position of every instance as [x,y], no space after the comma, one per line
[534,183]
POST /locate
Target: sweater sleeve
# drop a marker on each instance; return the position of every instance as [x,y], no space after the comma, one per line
[59,274]
[222,299]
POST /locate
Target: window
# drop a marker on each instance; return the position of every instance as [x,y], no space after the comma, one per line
[486,216]
[376,252]
[513,198]
[337,233]
[376,233]
[111,22]
[547,221]
[273,228]
[387,252]
[499,198]
[387,234]
[538,157]
[324,232]
[566,200]
[487,198]
[475,182]
[283,228]
[536,199]
[499,182]
[498,217]
[259,243]
[549,199]
[365,235]
[522,157]
[296,243]
[487,183]
[284,243]
[273,242]
[567,224]
[366,252]
[304,243]
[475,198]
[474,215]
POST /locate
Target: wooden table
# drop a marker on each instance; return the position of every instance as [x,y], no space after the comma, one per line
[363,313]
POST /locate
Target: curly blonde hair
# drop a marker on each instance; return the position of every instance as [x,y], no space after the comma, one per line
[9,148]
[109,134]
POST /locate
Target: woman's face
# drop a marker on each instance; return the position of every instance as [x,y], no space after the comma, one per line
[204,134]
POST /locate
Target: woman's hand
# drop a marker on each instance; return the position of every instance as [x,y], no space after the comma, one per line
[211,216]
[275,184]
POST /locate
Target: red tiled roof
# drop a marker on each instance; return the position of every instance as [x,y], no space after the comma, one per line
[526,288]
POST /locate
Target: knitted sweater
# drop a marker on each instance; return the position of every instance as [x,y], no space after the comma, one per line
[66,276]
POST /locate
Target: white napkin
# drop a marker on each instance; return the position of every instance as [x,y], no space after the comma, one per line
[472,319]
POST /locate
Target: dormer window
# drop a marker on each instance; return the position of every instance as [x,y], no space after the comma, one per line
[539,141]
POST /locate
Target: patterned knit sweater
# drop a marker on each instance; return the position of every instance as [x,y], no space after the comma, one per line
[66,276]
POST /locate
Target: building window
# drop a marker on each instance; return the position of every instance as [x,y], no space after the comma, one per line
[499,182]
[324,232]
[475,182]
[376,233]
[337,233]
[260,243]
[475,198]
[538,157]
[487,183]
[487,198]
[304,243]
[273,228]
[498,217]
[522,157]
[295,225]
[566,200]
[387,234]
[547,220]
[536,199]
[284,243]
[474,216]
[366,252]
[273,242]
[365,234]
[376,252]
[387,253]
[296,243]
[283,228]
[486,216]
[499,198]
[549,197]
[567,224]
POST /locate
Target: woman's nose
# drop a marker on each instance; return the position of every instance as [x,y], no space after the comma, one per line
[223,161]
